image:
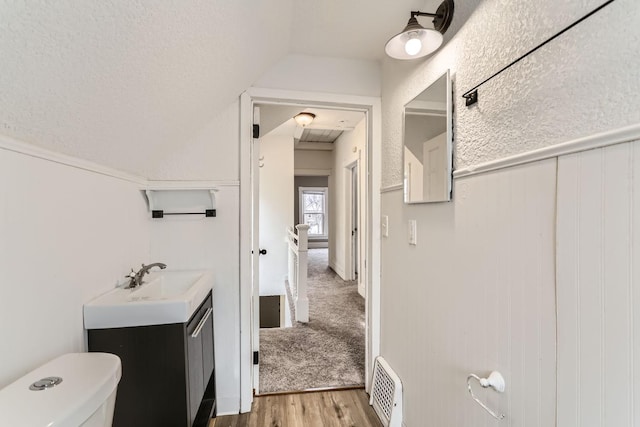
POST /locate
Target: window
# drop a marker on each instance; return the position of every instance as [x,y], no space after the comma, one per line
[313,210]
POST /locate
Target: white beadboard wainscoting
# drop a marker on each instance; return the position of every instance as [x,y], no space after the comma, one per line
[69,231]
[598,233]
[477,293]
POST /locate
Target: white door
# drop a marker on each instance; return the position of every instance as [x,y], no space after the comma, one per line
[434,153]
[255,247]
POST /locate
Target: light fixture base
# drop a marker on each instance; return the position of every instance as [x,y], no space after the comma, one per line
[444,16]
[304,118]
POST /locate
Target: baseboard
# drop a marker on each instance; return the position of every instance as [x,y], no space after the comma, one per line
[361,290]
[314,390]
[339,270]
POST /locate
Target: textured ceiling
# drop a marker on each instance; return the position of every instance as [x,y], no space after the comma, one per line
[125,83]
[119,82]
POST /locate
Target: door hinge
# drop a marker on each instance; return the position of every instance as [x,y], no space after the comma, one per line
[256,357]
[256,131]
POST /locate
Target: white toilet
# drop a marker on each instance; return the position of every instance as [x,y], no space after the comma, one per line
[85,396]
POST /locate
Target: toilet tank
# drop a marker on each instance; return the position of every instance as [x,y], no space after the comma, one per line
[85,396]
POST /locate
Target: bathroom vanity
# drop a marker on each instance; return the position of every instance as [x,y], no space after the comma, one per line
[168,369]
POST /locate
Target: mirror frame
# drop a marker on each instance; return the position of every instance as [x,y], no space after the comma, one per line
[449,137]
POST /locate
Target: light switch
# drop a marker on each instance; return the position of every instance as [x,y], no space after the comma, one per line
[413,232]
[384,225]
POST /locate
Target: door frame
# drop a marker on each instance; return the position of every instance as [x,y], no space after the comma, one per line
[371,106]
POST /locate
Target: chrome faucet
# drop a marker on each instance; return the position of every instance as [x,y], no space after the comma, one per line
[137,276]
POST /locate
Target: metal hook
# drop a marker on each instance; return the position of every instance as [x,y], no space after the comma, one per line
[495,381]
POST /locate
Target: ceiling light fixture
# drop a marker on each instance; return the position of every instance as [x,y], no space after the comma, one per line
[415,41]
[304,118]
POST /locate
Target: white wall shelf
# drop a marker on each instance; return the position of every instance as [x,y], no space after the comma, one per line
[181,201]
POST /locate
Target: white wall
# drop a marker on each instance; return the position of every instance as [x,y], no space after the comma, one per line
[67,235]
[323,74]
[598,293]
[313,160]
[212,154]
[339,195]
[211,243]
[570,92]
[209,153]
[276,206]
[475,294]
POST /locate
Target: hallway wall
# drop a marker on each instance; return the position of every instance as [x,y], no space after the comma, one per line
[349,147]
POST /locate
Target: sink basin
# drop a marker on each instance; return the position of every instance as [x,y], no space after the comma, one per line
[164,297]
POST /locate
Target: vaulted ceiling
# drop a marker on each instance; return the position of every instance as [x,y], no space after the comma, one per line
[112,81]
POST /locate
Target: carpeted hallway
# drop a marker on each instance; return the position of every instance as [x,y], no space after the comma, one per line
[326,352]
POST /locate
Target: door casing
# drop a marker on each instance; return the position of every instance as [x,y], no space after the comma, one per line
[371,106]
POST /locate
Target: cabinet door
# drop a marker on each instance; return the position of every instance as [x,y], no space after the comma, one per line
[194,350]
[207,349]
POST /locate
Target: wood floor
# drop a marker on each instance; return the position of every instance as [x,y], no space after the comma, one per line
[318,409]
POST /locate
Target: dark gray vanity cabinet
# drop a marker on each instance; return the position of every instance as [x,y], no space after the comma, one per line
[168,371]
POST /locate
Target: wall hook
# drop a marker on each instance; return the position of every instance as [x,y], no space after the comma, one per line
[495,381]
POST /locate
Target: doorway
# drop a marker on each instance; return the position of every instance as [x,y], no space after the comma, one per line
[368,271]
[324,345]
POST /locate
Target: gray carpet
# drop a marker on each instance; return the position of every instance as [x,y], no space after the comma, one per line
[326,352]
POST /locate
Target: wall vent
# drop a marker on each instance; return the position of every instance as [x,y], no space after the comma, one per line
[386,394]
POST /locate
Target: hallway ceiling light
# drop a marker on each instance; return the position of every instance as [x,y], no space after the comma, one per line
[304,118]
[415,41]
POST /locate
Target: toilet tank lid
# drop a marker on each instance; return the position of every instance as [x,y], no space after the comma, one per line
[88,379]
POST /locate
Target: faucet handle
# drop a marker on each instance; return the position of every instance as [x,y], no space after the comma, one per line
[132,274]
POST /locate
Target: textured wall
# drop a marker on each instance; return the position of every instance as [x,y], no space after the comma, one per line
[575,86]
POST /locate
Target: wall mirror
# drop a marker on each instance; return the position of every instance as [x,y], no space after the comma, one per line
[428,144]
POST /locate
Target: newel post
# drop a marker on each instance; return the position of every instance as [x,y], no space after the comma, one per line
[302,301]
